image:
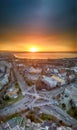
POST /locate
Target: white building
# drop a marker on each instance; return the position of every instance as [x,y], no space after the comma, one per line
[35,70]
[49,81]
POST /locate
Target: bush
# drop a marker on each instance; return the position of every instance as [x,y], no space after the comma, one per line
[7,98]
[63,105]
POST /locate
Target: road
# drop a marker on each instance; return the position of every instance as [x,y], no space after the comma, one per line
[31,101]
[20,80]
[59,114]
[16,107]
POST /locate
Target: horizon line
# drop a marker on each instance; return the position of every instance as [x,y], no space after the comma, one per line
[9,51]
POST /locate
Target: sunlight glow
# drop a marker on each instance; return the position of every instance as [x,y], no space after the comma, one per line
[33,49]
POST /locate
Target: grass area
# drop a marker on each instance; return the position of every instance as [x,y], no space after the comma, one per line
[73,112]
[47,117]
[5,119]
[10,117]
[10,100]
[13,100]
[62,106]
[15,115]
[18,87]
[33,117]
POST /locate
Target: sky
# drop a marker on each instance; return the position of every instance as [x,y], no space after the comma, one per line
[48,25]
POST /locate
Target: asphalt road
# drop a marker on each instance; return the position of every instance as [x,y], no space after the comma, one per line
[20,80]
[59,114]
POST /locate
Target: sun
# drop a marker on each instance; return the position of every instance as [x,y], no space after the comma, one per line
[33,49]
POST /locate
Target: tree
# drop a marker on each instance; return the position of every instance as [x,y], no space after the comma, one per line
[7,97]
[1,100]
[63,105]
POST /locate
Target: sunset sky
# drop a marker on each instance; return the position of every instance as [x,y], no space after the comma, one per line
[47,25]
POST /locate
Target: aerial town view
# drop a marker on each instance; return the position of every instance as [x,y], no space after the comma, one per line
[38,65]
[38,94]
